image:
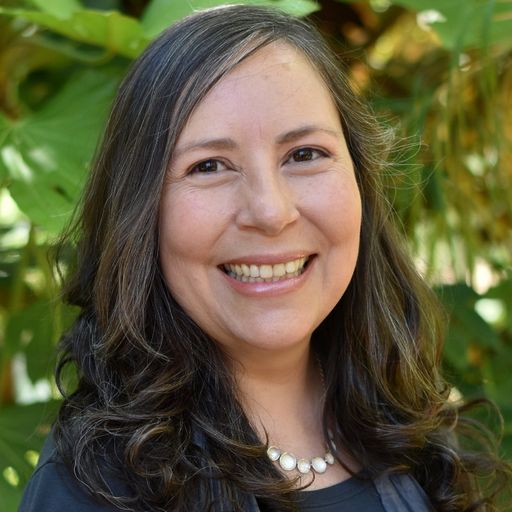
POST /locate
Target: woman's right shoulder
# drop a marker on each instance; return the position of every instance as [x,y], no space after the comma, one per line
[53,487]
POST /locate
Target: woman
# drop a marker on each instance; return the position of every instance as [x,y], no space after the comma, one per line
[244,297]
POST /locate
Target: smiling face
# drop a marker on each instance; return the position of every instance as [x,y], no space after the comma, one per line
[260,215]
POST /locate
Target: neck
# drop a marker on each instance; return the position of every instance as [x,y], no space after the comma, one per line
[282,395]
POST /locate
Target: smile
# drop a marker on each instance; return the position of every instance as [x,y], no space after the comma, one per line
[252,273]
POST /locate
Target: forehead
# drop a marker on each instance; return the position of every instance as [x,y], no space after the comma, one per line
[274,86]
[271,64]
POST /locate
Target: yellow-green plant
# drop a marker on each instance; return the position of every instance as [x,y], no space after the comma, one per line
[438,73]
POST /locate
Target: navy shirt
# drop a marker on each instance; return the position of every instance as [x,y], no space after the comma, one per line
[349,495]
[53,488]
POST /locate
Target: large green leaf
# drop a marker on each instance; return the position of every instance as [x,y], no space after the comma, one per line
[161,13]
[466,327]
[23,428]
[297,8]
[116,32]
[503,293]
[9,496]
[466,23]
[59,8]
[498,384]
[32,329]
[4,130]
[47,153]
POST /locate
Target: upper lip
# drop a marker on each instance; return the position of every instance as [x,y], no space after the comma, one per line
[268,259]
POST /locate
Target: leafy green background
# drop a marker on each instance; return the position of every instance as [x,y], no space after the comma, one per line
[438,74]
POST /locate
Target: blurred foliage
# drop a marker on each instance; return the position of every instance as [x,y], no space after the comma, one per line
[438,75]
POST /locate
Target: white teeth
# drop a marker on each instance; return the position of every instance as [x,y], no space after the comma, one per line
[291,267]
[266,273]
[279,270]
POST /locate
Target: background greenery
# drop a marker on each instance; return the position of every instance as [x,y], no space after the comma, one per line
[438,74]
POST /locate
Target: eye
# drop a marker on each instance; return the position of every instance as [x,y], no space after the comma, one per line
[306,154]
[210,166]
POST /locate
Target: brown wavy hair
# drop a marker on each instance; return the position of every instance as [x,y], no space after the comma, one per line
[154,423]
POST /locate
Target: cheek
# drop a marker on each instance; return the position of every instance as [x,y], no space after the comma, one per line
[334,206]
[190,223]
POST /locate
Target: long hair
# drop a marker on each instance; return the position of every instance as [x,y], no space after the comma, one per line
[155,408]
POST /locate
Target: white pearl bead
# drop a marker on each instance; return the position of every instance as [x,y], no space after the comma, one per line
[329,458]
[273,453]
[319,464]
[304,466]
[287,461]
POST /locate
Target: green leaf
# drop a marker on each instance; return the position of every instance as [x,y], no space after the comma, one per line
[58,8]
[32,330]
[112,30]
[466,23]
[23,428]
[5,127]
[47,154]
[466,326]
[503,292]
[10,496]
[160,14]
[297,8]
[498,384]
[35,331]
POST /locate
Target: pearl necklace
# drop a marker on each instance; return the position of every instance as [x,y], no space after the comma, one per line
[288,461]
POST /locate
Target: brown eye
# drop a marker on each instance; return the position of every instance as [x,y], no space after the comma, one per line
[306,155]
[206,167]
[303,155]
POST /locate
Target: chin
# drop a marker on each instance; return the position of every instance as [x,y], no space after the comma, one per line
[275,340]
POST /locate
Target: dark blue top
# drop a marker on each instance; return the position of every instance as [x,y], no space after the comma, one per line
[53,488]
[351,495]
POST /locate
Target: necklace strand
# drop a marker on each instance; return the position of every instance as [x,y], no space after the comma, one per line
[288,461]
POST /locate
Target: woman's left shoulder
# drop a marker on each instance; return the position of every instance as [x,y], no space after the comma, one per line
[53,487]
[400,492]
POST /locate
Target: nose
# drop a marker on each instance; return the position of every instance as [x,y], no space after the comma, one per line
[267,204]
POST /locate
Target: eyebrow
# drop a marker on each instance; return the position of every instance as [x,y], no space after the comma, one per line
[224,143]
[229,144]
[303,131]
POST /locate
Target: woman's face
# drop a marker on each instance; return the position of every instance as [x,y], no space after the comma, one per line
[260,216]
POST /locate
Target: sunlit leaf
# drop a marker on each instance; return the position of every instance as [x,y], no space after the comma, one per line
[47,153]
[22,428]
[111,30]
[498,384]
[32,329]
[503,292]
[58,8]
[161,13]
[296,7]
[4,130]
[466,326]
[9,496]
[465,23]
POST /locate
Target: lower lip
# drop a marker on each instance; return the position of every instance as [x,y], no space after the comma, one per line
[273,288]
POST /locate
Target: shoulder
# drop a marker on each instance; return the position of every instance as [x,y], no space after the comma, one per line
[54,487]
[402,493]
